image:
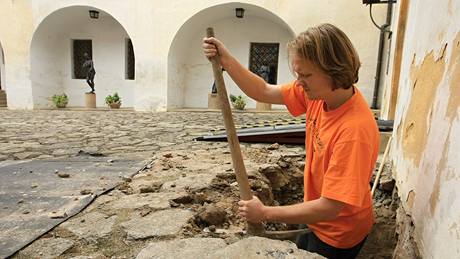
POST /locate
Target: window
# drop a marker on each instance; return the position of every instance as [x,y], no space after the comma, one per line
[263,60]
[79,48]
[129,60]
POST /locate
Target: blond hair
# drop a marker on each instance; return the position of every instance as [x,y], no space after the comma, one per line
[331,50]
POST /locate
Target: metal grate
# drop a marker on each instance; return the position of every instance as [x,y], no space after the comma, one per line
[263,61]
[130,60]
[80,47]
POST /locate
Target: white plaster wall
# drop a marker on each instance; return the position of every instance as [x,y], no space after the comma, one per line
[15,35]
[152,26]
[52,58]
[435,200]
[237,34]
[350,16]
[47,73]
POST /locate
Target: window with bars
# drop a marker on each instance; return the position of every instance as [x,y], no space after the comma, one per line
[263,60]
[130,61]
[79,48]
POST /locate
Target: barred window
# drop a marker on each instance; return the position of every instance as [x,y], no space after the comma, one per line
[79,48]
[263,60]
[130,61]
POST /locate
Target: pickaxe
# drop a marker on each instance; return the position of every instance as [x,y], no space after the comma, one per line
[237,158]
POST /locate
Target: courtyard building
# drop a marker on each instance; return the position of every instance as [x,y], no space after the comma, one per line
[150,51]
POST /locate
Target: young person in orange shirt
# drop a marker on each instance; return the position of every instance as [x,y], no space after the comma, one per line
[342,139]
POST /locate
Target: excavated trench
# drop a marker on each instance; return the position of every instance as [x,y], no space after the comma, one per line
[278,180]
[201,182]
[276,176]
[275,180]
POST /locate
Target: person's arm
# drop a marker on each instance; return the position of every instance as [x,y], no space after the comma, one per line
[322,209]
[251,84]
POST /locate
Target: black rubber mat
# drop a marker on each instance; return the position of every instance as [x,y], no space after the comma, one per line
[31,191]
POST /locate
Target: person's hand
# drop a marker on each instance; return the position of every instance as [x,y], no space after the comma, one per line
[212,47]
[253,210]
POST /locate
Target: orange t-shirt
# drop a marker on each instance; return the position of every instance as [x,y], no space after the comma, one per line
[342,147]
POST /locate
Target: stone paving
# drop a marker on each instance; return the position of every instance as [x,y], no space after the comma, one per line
[184,199]
[172,204]
[62,133]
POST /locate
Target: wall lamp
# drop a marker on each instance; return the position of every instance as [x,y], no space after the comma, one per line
[239,12]
[94,14]
[379,2]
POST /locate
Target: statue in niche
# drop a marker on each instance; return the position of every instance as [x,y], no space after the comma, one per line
[214,87]
[264,72]
[88,66]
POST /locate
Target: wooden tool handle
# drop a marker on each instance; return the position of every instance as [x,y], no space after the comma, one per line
[237,157]
[382,164]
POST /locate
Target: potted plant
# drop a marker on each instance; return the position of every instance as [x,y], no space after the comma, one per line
[238,102]
[60,100]
[113,101]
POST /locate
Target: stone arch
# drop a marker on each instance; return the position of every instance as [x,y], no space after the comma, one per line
[189,73]
[51,57]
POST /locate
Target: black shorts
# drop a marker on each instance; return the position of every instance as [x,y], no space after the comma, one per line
[312,243]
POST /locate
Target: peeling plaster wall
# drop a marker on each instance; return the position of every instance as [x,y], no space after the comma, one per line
[144,21]
[426,140]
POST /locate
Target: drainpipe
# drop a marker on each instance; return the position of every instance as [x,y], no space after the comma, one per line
[378,71]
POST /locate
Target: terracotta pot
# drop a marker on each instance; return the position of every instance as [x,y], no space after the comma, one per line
[61,105]
[239,106]
[115,105]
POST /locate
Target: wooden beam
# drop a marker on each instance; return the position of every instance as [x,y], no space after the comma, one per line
[401,31]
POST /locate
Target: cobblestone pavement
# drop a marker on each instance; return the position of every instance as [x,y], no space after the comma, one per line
[160,204]
[62,133]
[185,198]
